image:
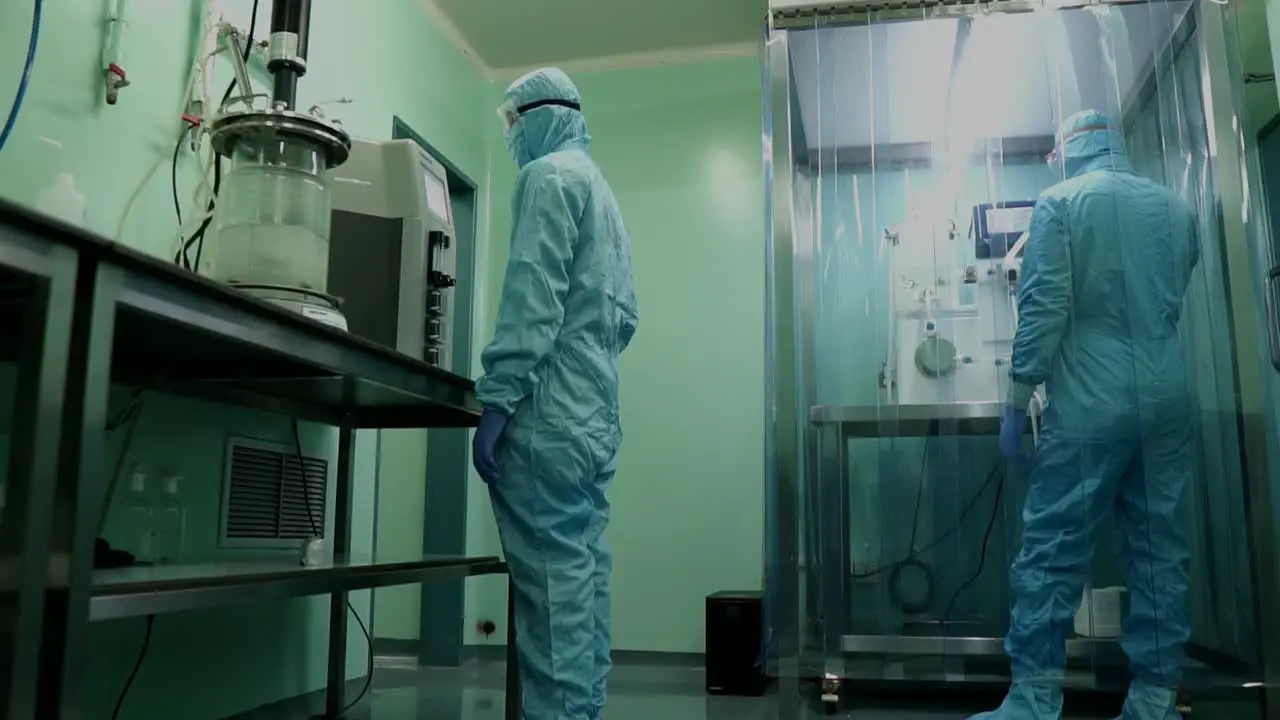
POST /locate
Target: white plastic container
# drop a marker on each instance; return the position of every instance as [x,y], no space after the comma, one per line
[63,200]
[170,523]
[1101,613]
[139,518]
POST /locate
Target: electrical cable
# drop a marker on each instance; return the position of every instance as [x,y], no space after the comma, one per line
[982,556]
[173,171]
[198,236]
[19,97]
[131,415]
[897,593]
[130,410]
[137,666]
[315,530]
[155,166]
[915,514]
[964,514]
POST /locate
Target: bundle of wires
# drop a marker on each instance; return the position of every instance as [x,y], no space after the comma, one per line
[189,123]
[897,570]
[197,238]
[968,509]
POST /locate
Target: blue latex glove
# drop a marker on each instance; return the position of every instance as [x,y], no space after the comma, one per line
[484,447]
[1013,424]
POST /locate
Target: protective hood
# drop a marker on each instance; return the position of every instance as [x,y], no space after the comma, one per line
[543,130]
[1089,141]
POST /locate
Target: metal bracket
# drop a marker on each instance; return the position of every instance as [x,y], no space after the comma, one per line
[1273,316]
[233,45]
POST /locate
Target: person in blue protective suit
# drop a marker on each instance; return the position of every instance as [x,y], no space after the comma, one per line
[1109,259]
[549,435]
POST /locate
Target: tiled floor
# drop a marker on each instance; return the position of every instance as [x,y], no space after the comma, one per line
[637,692]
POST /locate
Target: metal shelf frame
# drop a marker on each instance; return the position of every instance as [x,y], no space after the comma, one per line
[79,313]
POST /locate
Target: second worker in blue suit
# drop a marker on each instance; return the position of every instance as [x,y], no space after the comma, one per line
[1109,260]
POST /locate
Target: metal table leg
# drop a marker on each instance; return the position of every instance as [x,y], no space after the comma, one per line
[335,692]
[833,565]
[514,697]
[79,492]
[45,341]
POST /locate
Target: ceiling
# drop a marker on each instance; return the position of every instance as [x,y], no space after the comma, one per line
[509,34]
[512,35]
[1002,76]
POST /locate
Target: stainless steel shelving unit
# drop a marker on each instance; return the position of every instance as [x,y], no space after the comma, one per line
[156,590]
[79,313]
[831,598]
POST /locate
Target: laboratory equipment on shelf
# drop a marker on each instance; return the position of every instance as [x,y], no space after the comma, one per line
[271,226]
[333,378]
[950,310]
[393,248]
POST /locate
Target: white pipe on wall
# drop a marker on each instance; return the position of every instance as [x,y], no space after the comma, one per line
[114,75]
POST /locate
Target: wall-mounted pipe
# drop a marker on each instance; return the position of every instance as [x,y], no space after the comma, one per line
[114,76]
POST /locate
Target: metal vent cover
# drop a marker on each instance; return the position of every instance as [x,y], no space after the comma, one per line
[266,496]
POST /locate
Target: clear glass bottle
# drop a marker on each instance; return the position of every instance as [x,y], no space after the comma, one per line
[171,523]
[139,519]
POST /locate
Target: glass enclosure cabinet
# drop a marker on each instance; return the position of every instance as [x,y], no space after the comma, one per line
[906,148]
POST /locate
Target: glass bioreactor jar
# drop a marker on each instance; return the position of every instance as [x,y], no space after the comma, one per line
[271,228]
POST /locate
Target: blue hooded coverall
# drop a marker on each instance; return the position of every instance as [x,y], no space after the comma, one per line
[1109,259]
[568,310]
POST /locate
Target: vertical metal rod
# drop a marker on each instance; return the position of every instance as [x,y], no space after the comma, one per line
[335,690]
[290,37]
[514,697]
[783,356]
[33,458]
[79,493]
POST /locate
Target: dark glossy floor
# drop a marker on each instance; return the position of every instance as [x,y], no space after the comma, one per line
[638,691]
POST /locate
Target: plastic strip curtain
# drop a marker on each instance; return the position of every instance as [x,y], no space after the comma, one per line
[927,141]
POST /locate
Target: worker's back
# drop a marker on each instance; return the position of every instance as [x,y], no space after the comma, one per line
[1133,246]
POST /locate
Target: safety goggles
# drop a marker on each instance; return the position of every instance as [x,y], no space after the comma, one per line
[1053,155]
[510,113]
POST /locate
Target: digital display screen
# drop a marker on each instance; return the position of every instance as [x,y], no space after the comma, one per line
[1008,220]
[997,226]
[437,196]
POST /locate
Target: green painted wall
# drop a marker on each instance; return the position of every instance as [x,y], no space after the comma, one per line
[681,147]
[391,60]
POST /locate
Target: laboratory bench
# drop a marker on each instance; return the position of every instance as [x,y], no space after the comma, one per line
[79,314]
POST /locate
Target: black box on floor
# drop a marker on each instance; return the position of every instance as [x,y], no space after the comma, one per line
[735,623]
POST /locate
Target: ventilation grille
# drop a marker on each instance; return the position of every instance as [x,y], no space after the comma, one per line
[268,494]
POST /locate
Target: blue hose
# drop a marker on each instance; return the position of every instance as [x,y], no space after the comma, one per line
[37,8]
